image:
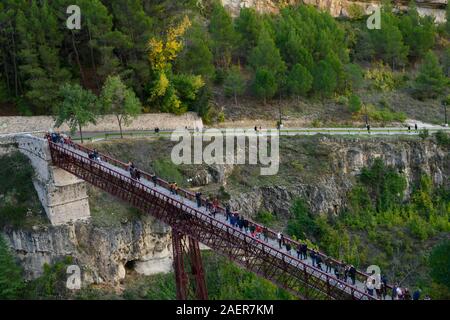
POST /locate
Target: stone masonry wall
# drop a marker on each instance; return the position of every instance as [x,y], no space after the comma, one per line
[62,195]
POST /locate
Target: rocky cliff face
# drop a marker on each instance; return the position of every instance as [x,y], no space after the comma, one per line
[327,193]
[337,8]
[102,253]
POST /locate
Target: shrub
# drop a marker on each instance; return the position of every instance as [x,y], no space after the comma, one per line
[439,262]
[443,138]
[265,217]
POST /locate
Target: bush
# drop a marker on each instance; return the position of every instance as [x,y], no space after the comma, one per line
[443,138]
[382,77]
[265,217]
[424,133]
[439,262]
[302,223]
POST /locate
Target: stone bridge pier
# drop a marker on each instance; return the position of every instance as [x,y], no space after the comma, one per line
[62,195]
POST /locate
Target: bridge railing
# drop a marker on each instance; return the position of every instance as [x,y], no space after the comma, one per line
[362,276]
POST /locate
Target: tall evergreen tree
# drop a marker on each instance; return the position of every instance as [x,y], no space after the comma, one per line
[223,35]
[299,80]
[431,81]
[264,85]
[234,83]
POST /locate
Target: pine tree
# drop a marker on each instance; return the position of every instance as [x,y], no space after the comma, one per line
[266,55]
[223,35]
[354,103]
[265,85]
[39,63]
[196,58]
[234,83]
[325,79]
[119,100]
[299,80]
[431,81]
[248,25]
[418,33]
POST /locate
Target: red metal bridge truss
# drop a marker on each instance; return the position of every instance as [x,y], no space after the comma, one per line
[191,226]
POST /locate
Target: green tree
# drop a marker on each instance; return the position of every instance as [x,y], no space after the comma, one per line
[354,103]
[119,100]
[354,76]
[39,65]
[418,33]
[264,85]
[431,81]
[11,281]
[234,84]
[77,109]
[223,35]
[248,25]
[385,185]
[439,262]
[388,42]
[302,224]
[197,58]
[299,80]
[266,55]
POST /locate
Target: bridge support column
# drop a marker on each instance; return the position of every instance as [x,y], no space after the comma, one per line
[190,281]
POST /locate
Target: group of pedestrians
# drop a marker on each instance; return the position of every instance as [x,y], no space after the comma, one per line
[345,272]
[57,137]
[135,173]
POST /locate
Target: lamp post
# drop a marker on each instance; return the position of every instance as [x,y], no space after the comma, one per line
[444,103]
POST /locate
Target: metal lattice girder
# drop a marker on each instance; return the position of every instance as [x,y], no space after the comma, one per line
[296,276]
[190,282]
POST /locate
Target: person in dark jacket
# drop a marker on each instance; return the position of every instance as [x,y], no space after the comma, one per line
[288,248]
[352,274]
[266,234]
[300,251]
[312,254]
[198,198]
[305,251]
[154,179]
[245,225]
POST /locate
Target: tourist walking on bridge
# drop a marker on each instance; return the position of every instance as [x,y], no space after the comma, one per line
[328,263]
[266,234]
[280,239]
[304,251]
[154,179]
[227,211]
[312,254]
[198,198]
[352,274]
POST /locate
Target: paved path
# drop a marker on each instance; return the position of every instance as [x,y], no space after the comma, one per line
[392,131]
